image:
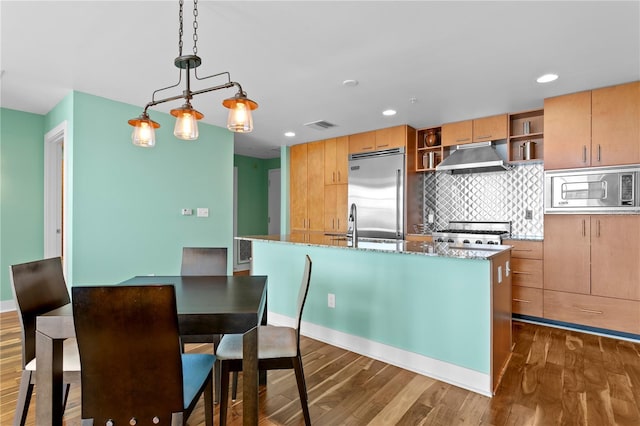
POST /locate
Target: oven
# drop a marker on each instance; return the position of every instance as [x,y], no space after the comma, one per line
[593,190]
[465,232]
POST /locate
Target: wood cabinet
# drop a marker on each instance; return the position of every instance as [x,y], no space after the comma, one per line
[615,125]
[490,128]
[391,137]
[591,270]
[307,187]
[567,253]
[336,160]
[457,133]
[419,237]
[477,130]
[335,208]
[519,137]
[598,127]
[423,151]
[527,277]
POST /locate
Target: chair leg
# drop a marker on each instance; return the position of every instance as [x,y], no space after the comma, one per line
[302,389]
[234,386]
[208,402]
[217,368]
[24,398]
[65,395]
[224,393]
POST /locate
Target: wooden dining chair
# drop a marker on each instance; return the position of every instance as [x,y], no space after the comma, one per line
[278,348]
[39,287]
[203,261]
[133,371]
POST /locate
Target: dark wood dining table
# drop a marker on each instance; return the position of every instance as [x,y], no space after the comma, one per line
[206,305]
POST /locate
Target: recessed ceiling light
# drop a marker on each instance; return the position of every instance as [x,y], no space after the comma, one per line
[289,134]
[350,83]
[547,78]
[389,112]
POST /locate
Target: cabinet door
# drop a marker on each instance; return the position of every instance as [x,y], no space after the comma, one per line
[362,142]
[567,131]
[457,133]
[342,207]
[298,187]
[330,204]
[330,161]
[490,128]
[566,253]
[615,256]
[392,137]
[315,186]
[342,159]
[615,125]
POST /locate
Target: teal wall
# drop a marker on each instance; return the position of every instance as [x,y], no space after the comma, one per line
[253,175]
[434,306]
[21,191]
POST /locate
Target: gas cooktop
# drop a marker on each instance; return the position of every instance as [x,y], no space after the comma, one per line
[464,232]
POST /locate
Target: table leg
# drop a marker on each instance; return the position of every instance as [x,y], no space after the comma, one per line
[250,377]
[48,380]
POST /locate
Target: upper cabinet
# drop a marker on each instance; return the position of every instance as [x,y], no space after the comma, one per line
[478,130]
[336,160]
[598,127]
[391,137]
[307,187]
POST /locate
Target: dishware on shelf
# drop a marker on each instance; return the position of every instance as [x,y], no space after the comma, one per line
[431,138]
[527,150]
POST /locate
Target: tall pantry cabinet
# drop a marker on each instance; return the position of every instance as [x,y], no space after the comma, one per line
[307,187]
[591,261]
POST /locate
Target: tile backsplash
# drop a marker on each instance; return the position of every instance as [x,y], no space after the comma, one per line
[488,197]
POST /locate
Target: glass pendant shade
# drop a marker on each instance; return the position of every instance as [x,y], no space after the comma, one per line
[186,127]
[143,134]
[240,119]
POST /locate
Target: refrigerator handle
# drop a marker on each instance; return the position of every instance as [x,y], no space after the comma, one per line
[398,198]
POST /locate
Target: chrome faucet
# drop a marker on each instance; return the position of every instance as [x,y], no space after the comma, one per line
[352,231]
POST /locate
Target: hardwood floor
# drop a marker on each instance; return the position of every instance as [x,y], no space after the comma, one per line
[555,377]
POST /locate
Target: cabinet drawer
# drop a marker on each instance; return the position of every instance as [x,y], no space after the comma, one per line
[525,249]
[594,311]
[527,272]
[526,301]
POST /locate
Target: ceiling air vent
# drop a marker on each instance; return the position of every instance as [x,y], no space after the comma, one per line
[320,125]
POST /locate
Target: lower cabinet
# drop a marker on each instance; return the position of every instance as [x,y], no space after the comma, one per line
[335,208]
[593,311]
[527,281]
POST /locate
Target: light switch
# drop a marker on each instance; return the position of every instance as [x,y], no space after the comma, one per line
[187,212]
[499,274]
[203,212]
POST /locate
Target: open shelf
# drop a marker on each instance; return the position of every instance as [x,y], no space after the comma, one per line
[518,140]
[422,150]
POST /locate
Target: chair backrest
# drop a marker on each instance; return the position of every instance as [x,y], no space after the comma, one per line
[38,287]
[204,261]
[302,294]
[129,351]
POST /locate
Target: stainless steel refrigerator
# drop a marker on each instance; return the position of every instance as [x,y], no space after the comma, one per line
[376,187]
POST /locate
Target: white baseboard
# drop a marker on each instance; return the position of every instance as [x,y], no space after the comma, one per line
[430,367]
[7,305]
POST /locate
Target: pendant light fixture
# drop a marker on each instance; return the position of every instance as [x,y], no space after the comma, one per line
[186,128]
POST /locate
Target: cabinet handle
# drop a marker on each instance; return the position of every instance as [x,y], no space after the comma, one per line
[584,228]
[338,223]
[522,273]
[462,140]
[598,228]
[367,147]
[484,137]
[333,223]
[584,153]
[338,175]
[589,311]
[522,249]
[521,300]
[382,146]
[333,177]
[599,153]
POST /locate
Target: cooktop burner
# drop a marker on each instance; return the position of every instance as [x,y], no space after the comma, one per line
[473,232]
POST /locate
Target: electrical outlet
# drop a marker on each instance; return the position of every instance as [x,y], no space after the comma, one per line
[331,300]
[528,214]
[187,212]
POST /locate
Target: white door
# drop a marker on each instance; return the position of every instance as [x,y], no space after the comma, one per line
[54,192]
[274,202]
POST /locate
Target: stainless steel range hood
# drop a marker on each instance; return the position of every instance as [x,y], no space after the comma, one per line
[474,158]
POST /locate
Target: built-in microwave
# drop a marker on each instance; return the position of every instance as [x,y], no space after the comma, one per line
[593,190]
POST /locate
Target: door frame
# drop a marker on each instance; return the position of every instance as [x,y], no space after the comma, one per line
[55,191]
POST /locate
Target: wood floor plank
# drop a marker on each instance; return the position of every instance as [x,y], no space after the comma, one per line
[555,377]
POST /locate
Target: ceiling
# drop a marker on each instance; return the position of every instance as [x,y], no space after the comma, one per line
[456,60]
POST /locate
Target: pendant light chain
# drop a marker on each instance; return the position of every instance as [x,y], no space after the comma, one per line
[195,27]
[180,30]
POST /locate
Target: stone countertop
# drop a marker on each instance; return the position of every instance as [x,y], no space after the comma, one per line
[461,251]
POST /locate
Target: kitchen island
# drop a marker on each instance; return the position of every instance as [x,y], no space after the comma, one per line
[441,310]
